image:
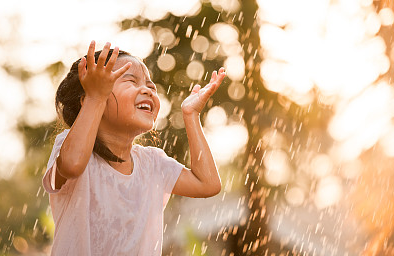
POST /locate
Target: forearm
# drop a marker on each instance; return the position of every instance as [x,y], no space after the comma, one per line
[78,145]
[202,162]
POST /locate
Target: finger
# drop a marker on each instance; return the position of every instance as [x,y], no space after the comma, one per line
[204,94]
[216,80]
[213,77]
[220,77]
[103,55]
[90,56]
[212,89]
[196,88]
[112,60]
[82,68]
[122,70]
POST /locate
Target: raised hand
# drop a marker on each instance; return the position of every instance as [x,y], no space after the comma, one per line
[98,79]
[197,99]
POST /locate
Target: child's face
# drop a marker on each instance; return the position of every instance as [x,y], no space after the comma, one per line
[137,104]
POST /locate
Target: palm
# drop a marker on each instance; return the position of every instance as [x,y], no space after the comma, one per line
[197,99]
[97,79]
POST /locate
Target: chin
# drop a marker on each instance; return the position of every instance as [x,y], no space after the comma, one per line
[146,127]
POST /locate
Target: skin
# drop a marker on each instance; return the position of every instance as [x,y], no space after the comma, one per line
[128,80]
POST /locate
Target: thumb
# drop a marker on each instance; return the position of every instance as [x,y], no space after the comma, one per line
[196,88]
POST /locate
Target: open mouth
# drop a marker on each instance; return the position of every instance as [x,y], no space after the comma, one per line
[145,106]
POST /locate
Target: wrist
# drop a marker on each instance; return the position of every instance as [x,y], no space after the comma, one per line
[191,115]
[191,119]
[94,100]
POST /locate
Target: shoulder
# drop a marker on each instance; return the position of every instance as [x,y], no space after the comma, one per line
[150,153]
[63,133]
[61,136]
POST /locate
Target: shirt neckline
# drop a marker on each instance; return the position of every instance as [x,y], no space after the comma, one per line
[135,164]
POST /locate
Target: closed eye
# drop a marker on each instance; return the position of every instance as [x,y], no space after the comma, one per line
[151,85]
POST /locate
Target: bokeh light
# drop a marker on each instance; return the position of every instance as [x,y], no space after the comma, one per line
[226,138]
[295,196]
[277,166]
[235,67]
[386,16]
[230,6]
[195,70]
[21,245]
[236,91]
[328,192]
[166,62]
[165,37]
[200,44]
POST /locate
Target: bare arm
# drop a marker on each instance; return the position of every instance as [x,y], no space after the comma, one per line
[78,145]
[97,81]
[203,179]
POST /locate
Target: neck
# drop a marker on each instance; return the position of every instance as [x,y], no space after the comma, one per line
[120,144]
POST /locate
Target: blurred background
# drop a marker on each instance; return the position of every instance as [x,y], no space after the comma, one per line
[302,128]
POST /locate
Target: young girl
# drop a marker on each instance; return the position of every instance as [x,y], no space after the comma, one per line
[108,195]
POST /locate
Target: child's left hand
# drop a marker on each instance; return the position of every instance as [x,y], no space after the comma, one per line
[197,99]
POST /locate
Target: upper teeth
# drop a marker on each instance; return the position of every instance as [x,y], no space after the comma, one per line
[144,105]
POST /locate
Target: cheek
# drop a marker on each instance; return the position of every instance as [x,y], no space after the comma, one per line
[121,104]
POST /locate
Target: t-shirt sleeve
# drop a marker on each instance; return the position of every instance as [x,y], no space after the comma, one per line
[48,181]
[170,169]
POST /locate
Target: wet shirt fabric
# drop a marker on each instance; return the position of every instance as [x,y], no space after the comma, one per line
[104,212]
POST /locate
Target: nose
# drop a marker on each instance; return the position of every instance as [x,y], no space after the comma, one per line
[146,90]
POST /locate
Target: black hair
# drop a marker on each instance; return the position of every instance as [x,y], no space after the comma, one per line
[68,103]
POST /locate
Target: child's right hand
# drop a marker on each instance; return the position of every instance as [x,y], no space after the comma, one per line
[98,79]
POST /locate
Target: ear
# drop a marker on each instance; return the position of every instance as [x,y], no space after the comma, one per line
[81,99]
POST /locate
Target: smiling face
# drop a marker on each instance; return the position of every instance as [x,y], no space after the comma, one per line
[134,104]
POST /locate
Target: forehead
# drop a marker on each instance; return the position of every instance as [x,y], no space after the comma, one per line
[136,68]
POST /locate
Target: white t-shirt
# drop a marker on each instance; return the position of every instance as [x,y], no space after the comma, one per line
[104,212]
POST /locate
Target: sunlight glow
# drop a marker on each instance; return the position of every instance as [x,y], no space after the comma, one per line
[227,141]
[362,121]
[11,154]
[138,41]
[226,138]
[40,106]
[352,169]
[333,53]
[183,8]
